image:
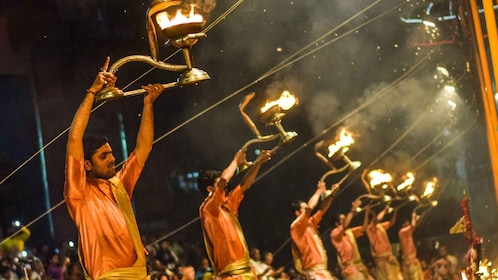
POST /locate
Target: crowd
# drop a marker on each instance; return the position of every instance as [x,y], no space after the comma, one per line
[172,260]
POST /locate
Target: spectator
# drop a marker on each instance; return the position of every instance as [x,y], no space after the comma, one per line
[56,270]
[203,269]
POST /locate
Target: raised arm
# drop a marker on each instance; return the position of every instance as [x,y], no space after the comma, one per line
[366,220]
[417,219]
[251,174]
[229,171]
[383,212]
[145,136]
[328,200]
[355,204]
[395,214]
[82,116]
[313,201]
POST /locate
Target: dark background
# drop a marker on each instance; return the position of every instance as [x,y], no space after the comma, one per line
[371,70]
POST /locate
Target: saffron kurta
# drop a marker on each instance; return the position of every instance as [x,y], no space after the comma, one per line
[108,232]
[225,242]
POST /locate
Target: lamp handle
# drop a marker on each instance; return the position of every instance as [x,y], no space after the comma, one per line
[149,60]
[142,91]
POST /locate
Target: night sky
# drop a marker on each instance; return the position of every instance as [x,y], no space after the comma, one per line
[370,66]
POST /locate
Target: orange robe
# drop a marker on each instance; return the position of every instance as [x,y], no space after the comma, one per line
[225,242]
[309,254]
[386,264]
[348,255]
[412,270]
[107,230]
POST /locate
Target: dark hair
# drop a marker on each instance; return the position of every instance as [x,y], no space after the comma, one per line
[206,178]
[295,205]
[92,144]
[336,217]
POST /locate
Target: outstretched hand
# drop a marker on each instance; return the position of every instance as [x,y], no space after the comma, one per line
[103,78]
[152,92]
[334,188]
[264,156]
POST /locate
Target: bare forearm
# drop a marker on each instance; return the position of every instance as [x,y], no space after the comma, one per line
[365,219]
[348,219]
[78,127]
[145,135]
[250,176]
[326,203]
[313,201]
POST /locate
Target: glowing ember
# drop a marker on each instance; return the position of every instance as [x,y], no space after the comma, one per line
[286,101]
[164,20]
[410,178]
[379,177]
[345,140]
[430,187]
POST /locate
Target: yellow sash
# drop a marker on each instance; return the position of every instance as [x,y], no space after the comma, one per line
[240,268]
[124,204]
[296,256]
[130,273]
[138,271]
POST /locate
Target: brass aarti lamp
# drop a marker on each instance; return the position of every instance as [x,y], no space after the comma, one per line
[376,182]
[337,152]
[179,22]
[271,114]
[425,198]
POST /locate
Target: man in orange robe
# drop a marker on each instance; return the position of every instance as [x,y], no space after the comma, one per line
[344,240]
[386,264]
[310,257]
[223,237]
[412,269]
[99,199]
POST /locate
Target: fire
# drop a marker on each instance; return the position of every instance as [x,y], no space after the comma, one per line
[345,140]
[430,187]
[164,20]
[379,177]
[410,178]
[286,101]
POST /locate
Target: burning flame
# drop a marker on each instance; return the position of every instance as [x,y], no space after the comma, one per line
[410,178]
[345,140]
[379,177]
[164,21]
[286,101]
[430,187]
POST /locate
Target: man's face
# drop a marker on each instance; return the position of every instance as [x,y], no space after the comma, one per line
[102,165]
[268,258]
[256,255]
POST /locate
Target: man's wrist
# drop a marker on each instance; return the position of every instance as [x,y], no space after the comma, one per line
[93,92]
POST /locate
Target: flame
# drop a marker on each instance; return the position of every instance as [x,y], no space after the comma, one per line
[430,187]
[345,140]
[286,101]
[379,177]
[164,21]
[410,178]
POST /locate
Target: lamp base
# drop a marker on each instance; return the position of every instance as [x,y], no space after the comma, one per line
[109,93]
[192,76]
